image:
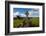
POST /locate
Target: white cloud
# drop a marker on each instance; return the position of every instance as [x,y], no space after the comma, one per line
[15,14]
[22,15]
[30,14]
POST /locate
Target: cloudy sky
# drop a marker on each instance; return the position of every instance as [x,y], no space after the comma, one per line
[21,12]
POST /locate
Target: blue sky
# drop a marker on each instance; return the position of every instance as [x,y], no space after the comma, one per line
[21,10]
[34,12]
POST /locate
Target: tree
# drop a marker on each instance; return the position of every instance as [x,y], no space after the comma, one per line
[27,14]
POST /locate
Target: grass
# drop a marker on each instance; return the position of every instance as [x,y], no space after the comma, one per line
[33,22]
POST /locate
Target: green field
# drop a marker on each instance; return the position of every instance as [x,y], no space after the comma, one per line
[22,22]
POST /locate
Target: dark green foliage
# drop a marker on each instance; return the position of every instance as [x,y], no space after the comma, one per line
[22,22]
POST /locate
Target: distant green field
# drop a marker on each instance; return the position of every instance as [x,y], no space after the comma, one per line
[32,22]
